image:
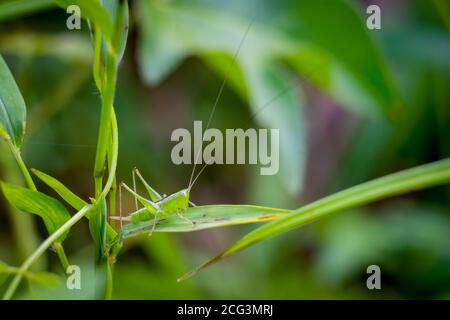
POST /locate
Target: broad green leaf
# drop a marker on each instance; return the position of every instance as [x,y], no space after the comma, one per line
[170,32]
[72,199]
[12,107]
[332,47]
[358,79]
[340,32]
[276,104]
[16,8]
[223,64]
[93,11]
[241,52]
[49,209]
[206,217]
[417,178]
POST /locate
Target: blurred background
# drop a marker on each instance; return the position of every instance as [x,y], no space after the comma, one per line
[352,104]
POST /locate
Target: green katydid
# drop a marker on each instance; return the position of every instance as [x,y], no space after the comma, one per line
[158,207]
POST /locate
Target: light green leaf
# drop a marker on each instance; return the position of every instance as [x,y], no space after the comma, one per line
[49,209]
[118,11]
[61,189]
[354,74]
[72,199]
[12,107]
[206,217]
[417,178]
[332,47]
[93,11]
[276,104]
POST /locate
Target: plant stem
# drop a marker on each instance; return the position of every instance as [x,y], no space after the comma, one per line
[29,181]
[26,174]
[41,249]
[61,255]
[24,225]
[105,122]
[109,280]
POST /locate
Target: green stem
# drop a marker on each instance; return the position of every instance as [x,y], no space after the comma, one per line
[105,122]
[42,248]
[109,280]
[61,255]
[24,225]
[23,168]
[29,181]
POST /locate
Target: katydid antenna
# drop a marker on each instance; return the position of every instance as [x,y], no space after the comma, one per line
[222,87]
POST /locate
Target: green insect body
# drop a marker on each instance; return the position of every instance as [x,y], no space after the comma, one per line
[157,206]
[173,204]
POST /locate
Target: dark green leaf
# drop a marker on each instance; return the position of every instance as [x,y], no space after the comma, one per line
[72,199]
[16,8]
[12,107]
[49,209]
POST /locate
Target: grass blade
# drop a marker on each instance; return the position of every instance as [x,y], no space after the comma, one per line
[205,217]
[417,178]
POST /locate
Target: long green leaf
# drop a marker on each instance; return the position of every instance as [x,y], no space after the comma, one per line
[118,11]
[12,107]
[205,217]
[417,178]
[72,199]
[49,209]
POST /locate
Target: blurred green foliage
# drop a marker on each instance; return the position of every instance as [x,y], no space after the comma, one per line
[354,104]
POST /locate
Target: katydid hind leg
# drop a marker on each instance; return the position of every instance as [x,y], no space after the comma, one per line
[134,189]
[154,195]
[145,202]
